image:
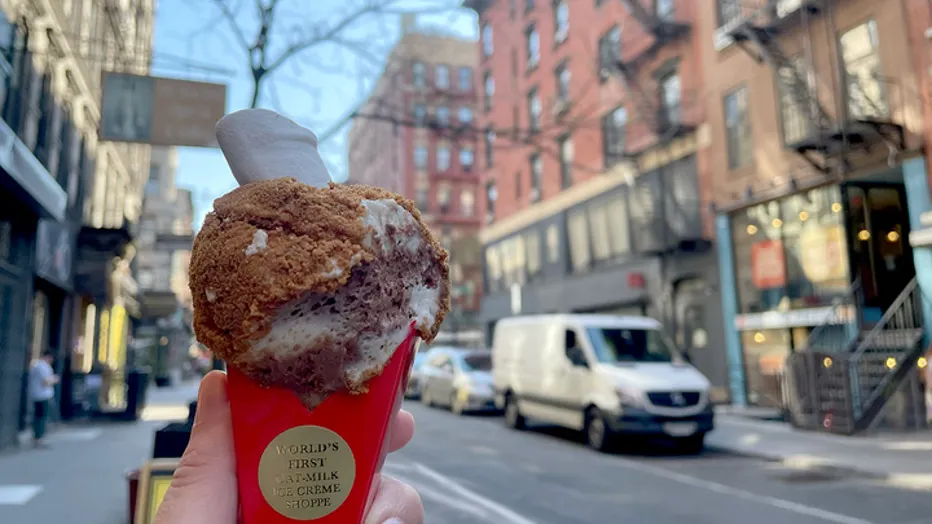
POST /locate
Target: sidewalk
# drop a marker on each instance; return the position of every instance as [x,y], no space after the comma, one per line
[904,460]
[81,479]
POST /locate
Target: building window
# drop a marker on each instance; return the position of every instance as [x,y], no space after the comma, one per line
[422,196]
[553,244]
[796,120]
[665,9]
[515,123]
[613,136]
[532,246]
[465,115]
[443,157]
[563,82]
[489,90]
[491,195]
[532,39]
[609,52]
[489,147]
[466,158]
[420,115]
[738,129]
[418,72]
[487,46]
[467,202]
[671,97]
[535,108]
[537,174]
[442,76]
[578,233]
[792,253]
[860,51]
[566,161]
[598,228]
[443,196]
[464,77]
[729,11]
[443,116]
[617,211]
[561,21]
[420,157]
[493,268]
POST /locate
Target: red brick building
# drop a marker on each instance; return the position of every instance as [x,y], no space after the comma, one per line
[593,162]
[415,136]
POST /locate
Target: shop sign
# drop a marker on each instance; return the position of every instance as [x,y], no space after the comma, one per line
[54,252]
[795,318]
[768,266]
[160,111]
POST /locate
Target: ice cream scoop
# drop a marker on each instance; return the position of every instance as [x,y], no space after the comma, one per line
[315,295]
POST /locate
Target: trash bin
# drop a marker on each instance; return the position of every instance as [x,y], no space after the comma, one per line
[137,384]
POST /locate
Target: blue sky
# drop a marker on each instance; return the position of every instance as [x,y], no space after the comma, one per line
[317,89]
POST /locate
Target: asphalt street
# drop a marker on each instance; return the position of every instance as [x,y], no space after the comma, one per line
[473,469]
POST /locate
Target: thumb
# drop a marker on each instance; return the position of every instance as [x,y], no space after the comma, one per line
[207,471]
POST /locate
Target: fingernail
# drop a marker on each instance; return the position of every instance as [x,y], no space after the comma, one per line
[393,521]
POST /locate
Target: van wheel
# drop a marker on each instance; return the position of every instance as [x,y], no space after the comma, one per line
[692,445]
[513,417]
[598,435]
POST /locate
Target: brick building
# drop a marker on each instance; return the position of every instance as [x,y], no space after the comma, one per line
[595,163]
[817,124]
[415,136]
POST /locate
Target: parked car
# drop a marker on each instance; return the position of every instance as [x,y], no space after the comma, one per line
[413,387]
[601,374]
[459,379]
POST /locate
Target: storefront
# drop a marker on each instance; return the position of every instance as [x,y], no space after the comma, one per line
[620,252]
[835,256]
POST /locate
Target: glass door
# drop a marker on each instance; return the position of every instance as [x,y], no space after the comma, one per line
[878,237]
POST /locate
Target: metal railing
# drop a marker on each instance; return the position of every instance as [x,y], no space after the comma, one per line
[801,385]
[883,355]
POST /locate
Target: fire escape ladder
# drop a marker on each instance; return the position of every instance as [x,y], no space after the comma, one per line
[663,29]
[646,104]
[814,149]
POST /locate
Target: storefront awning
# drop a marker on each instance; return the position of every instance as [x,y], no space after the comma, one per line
[49,199]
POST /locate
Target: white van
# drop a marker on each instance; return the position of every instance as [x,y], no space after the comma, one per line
[599,373]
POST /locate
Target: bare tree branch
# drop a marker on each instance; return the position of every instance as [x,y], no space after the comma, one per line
[230,16]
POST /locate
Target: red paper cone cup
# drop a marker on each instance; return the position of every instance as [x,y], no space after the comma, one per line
[320,465]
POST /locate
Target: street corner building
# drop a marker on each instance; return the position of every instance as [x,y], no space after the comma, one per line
[416,136]
[819,115]
[596,165]
[68,204]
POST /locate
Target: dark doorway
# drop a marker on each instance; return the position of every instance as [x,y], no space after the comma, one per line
[878,243]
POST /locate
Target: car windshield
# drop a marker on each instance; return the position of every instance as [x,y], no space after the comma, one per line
[618,345]
[477,362]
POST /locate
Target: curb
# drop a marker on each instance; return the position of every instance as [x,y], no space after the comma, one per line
[910,481]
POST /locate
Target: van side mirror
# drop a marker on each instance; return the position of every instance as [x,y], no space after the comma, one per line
[576,356]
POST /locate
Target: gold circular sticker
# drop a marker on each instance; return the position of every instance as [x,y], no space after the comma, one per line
[307,472]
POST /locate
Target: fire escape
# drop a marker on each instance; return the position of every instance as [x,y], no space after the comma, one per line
[826,143]
[660,118]
[665,202]
[850,370]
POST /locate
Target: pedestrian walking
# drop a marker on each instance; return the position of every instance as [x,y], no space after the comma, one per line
[42,380]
